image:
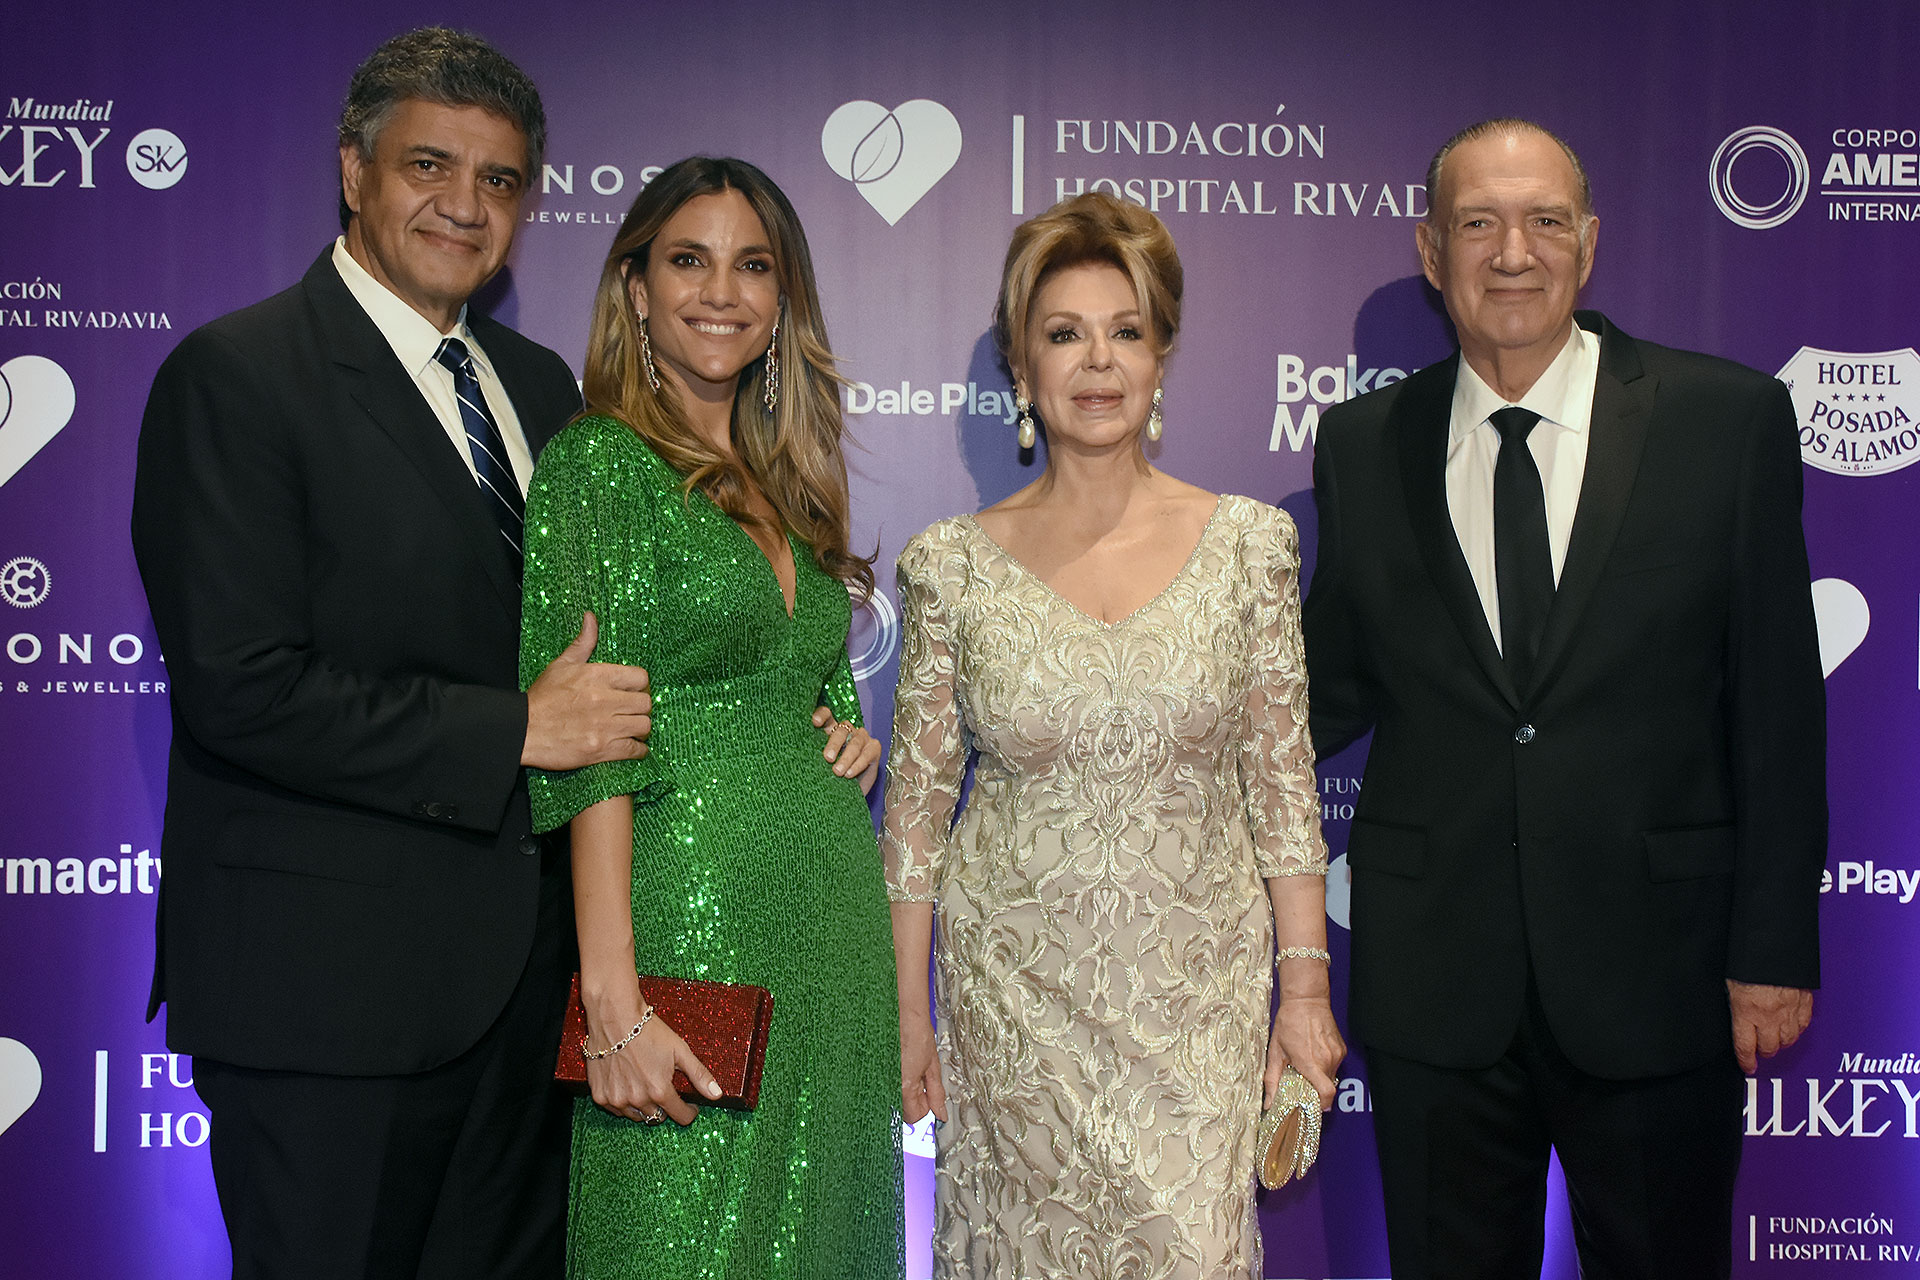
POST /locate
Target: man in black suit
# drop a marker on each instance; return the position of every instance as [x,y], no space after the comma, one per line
[360,940]
[1562,578]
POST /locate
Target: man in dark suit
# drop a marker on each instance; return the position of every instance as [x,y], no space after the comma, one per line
[360,940]
[1562,579]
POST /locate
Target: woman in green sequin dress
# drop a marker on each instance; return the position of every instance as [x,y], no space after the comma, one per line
[698,511]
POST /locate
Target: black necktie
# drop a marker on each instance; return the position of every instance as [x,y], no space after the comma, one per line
[485,443]
[1523,565]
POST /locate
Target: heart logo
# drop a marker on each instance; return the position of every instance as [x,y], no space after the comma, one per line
[19,1081]
[892,157]
[1842,614]
[36,400]
[1340,892]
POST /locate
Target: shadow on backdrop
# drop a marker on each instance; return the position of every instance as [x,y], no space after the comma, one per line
[499,299]
[989,447]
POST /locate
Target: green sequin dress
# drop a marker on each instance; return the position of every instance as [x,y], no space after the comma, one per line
[752,863]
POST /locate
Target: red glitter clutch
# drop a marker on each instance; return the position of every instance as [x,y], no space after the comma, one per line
[724,1023]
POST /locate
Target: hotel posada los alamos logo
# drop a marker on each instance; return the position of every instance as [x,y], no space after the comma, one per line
[1859,412]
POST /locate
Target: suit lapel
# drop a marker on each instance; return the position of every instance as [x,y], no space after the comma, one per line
[1622,411]
[1420,421]
[373,377]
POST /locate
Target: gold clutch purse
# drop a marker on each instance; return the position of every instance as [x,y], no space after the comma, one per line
[1289,1136]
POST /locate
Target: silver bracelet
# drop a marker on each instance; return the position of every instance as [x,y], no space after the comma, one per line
[1301,953]
[592,1055]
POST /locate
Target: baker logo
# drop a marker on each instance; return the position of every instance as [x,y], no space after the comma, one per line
[1759,177]
[1856,408]
[156,158]
[19,1081]
[36,400]
[24,582]
[892,157]
[882,632]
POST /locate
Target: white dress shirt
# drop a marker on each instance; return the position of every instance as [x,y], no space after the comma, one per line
[1563,397]
[414,340]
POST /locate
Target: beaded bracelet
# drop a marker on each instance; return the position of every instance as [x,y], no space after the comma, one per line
[1301,953]
[594,1055]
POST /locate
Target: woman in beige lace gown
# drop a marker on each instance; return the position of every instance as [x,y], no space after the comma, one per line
[1123,652]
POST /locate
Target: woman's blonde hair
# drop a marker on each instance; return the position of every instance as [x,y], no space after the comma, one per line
[793,454]
[1091,227]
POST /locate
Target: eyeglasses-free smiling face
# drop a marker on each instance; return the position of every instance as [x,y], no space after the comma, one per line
[1507,248]
[709,292]
[435,206]
[1089,365]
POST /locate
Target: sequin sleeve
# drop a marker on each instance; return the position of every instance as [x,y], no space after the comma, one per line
[1276,755]
[928,754]
[589,546]
[842,694]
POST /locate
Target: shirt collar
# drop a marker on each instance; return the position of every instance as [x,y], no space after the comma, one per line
[1474,401]
[411,335]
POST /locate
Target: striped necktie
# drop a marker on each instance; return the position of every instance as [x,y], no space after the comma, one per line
[484,441]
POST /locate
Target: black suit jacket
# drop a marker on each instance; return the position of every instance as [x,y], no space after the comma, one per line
[1649,819]
[350,876]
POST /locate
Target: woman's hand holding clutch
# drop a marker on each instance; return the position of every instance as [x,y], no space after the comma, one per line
[633,1077]
[1305,1037]
[1303,1053]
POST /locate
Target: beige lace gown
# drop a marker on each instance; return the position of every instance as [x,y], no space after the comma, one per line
[1104,940]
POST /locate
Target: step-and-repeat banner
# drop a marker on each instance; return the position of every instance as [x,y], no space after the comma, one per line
[1754,167]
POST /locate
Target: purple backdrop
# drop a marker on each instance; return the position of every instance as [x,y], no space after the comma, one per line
[1755,170]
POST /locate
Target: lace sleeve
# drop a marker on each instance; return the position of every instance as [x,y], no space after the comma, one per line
[928,753]
[1276,754]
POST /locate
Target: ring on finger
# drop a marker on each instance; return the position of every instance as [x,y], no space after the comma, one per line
[652,1118]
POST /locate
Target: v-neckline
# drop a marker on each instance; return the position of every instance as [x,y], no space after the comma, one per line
[793,557]
[773,570]
[1185,566]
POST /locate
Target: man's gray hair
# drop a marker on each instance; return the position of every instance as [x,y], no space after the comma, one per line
[1508,125]
[452,68]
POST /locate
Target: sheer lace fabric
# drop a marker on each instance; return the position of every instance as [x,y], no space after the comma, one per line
[1104,950]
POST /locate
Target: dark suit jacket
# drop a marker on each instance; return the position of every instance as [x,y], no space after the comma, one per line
[1649,819]
[350,876]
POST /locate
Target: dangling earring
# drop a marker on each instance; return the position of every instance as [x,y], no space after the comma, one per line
[1153,417]
[772,397]
[646,353]
[1025,406]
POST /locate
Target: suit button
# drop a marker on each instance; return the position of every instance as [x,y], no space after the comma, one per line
[1523,735]
[530,845]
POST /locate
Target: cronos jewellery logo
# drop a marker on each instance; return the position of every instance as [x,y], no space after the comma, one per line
[1753,203]
[1856,408]
[883,638]
[24,582]
[19,1081]
[36,400]
[157,159]
[892,157]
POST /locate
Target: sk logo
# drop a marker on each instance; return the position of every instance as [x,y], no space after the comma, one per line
[893,157]
[36,400]
[19,1081]
[157,158]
